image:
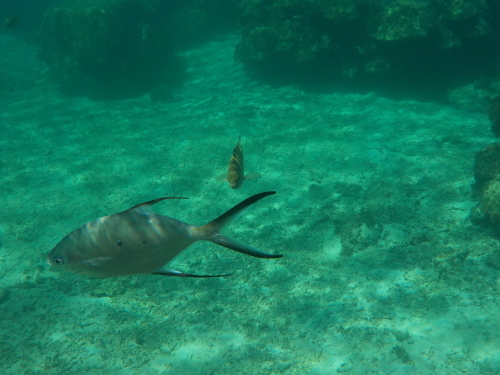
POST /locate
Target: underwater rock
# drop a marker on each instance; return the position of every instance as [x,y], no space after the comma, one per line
[366,42]
[399,20]
[105,49]
[478,217]
[487,176]
[494,115]
[289,36]
[493,260]
[490,202]
[487,164]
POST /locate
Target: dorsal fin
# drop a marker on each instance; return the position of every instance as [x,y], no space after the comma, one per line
[149,203]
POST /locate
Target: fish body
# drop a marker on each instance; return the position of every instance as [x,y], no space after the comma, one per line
[136,241]
[236,169]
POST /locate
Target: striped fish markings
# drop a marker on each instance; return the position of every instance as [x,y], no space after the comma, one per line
[236,169]
[137,241]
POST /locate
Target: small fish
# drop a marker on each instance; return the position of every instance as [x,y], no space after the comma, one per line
[236,169]
[136,241]
[11,21]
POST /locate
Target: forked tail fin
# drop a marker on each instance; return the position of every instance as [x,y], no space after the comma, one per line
[211,231]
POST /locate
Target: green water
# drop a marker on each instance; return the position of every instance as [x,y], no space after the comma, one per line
[406,291]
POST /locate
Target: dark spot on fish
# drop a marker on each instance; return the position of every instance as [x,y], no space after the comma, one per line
[144,242]
[120,243]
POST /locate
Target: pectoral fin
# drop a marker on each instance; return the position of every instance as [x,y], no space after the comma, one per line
[221,177]
[170,272]
[252,176]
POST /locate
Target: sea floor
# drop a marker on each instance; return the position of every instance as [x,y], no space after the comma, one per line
[382,273]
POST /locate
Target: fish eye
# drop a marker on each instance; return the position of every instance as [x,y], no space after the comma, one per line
[58,261]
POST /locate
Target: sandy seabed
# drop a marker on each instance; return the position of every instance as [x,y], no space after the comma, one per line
[383,272]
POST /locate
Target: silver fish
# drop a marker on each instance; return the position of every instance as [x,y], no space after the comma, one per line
[136,241]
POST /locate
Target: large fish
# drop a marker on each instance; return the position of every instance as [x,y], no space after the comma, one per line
[136,241]
[236,169]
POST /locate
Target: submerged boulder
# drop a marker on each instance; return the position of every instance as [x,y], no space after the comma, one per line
[487,176]
[105,49]
[488,210]
[366,41]
[487,165]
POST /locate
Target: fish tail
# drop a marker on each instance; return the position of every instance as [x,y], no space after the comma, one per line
[211,231]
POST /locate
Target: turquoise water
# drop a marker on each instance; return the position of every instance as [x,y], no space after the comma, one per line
[406,291]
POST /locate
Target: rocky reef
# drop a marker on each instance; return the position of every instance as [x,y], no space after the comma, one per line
[106,49]
[489,205]
[112,49]
[487,176]
[487,165]
[362,42]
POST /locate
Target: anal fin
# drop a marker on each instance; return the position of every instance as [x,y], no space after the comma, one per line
[170,272]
